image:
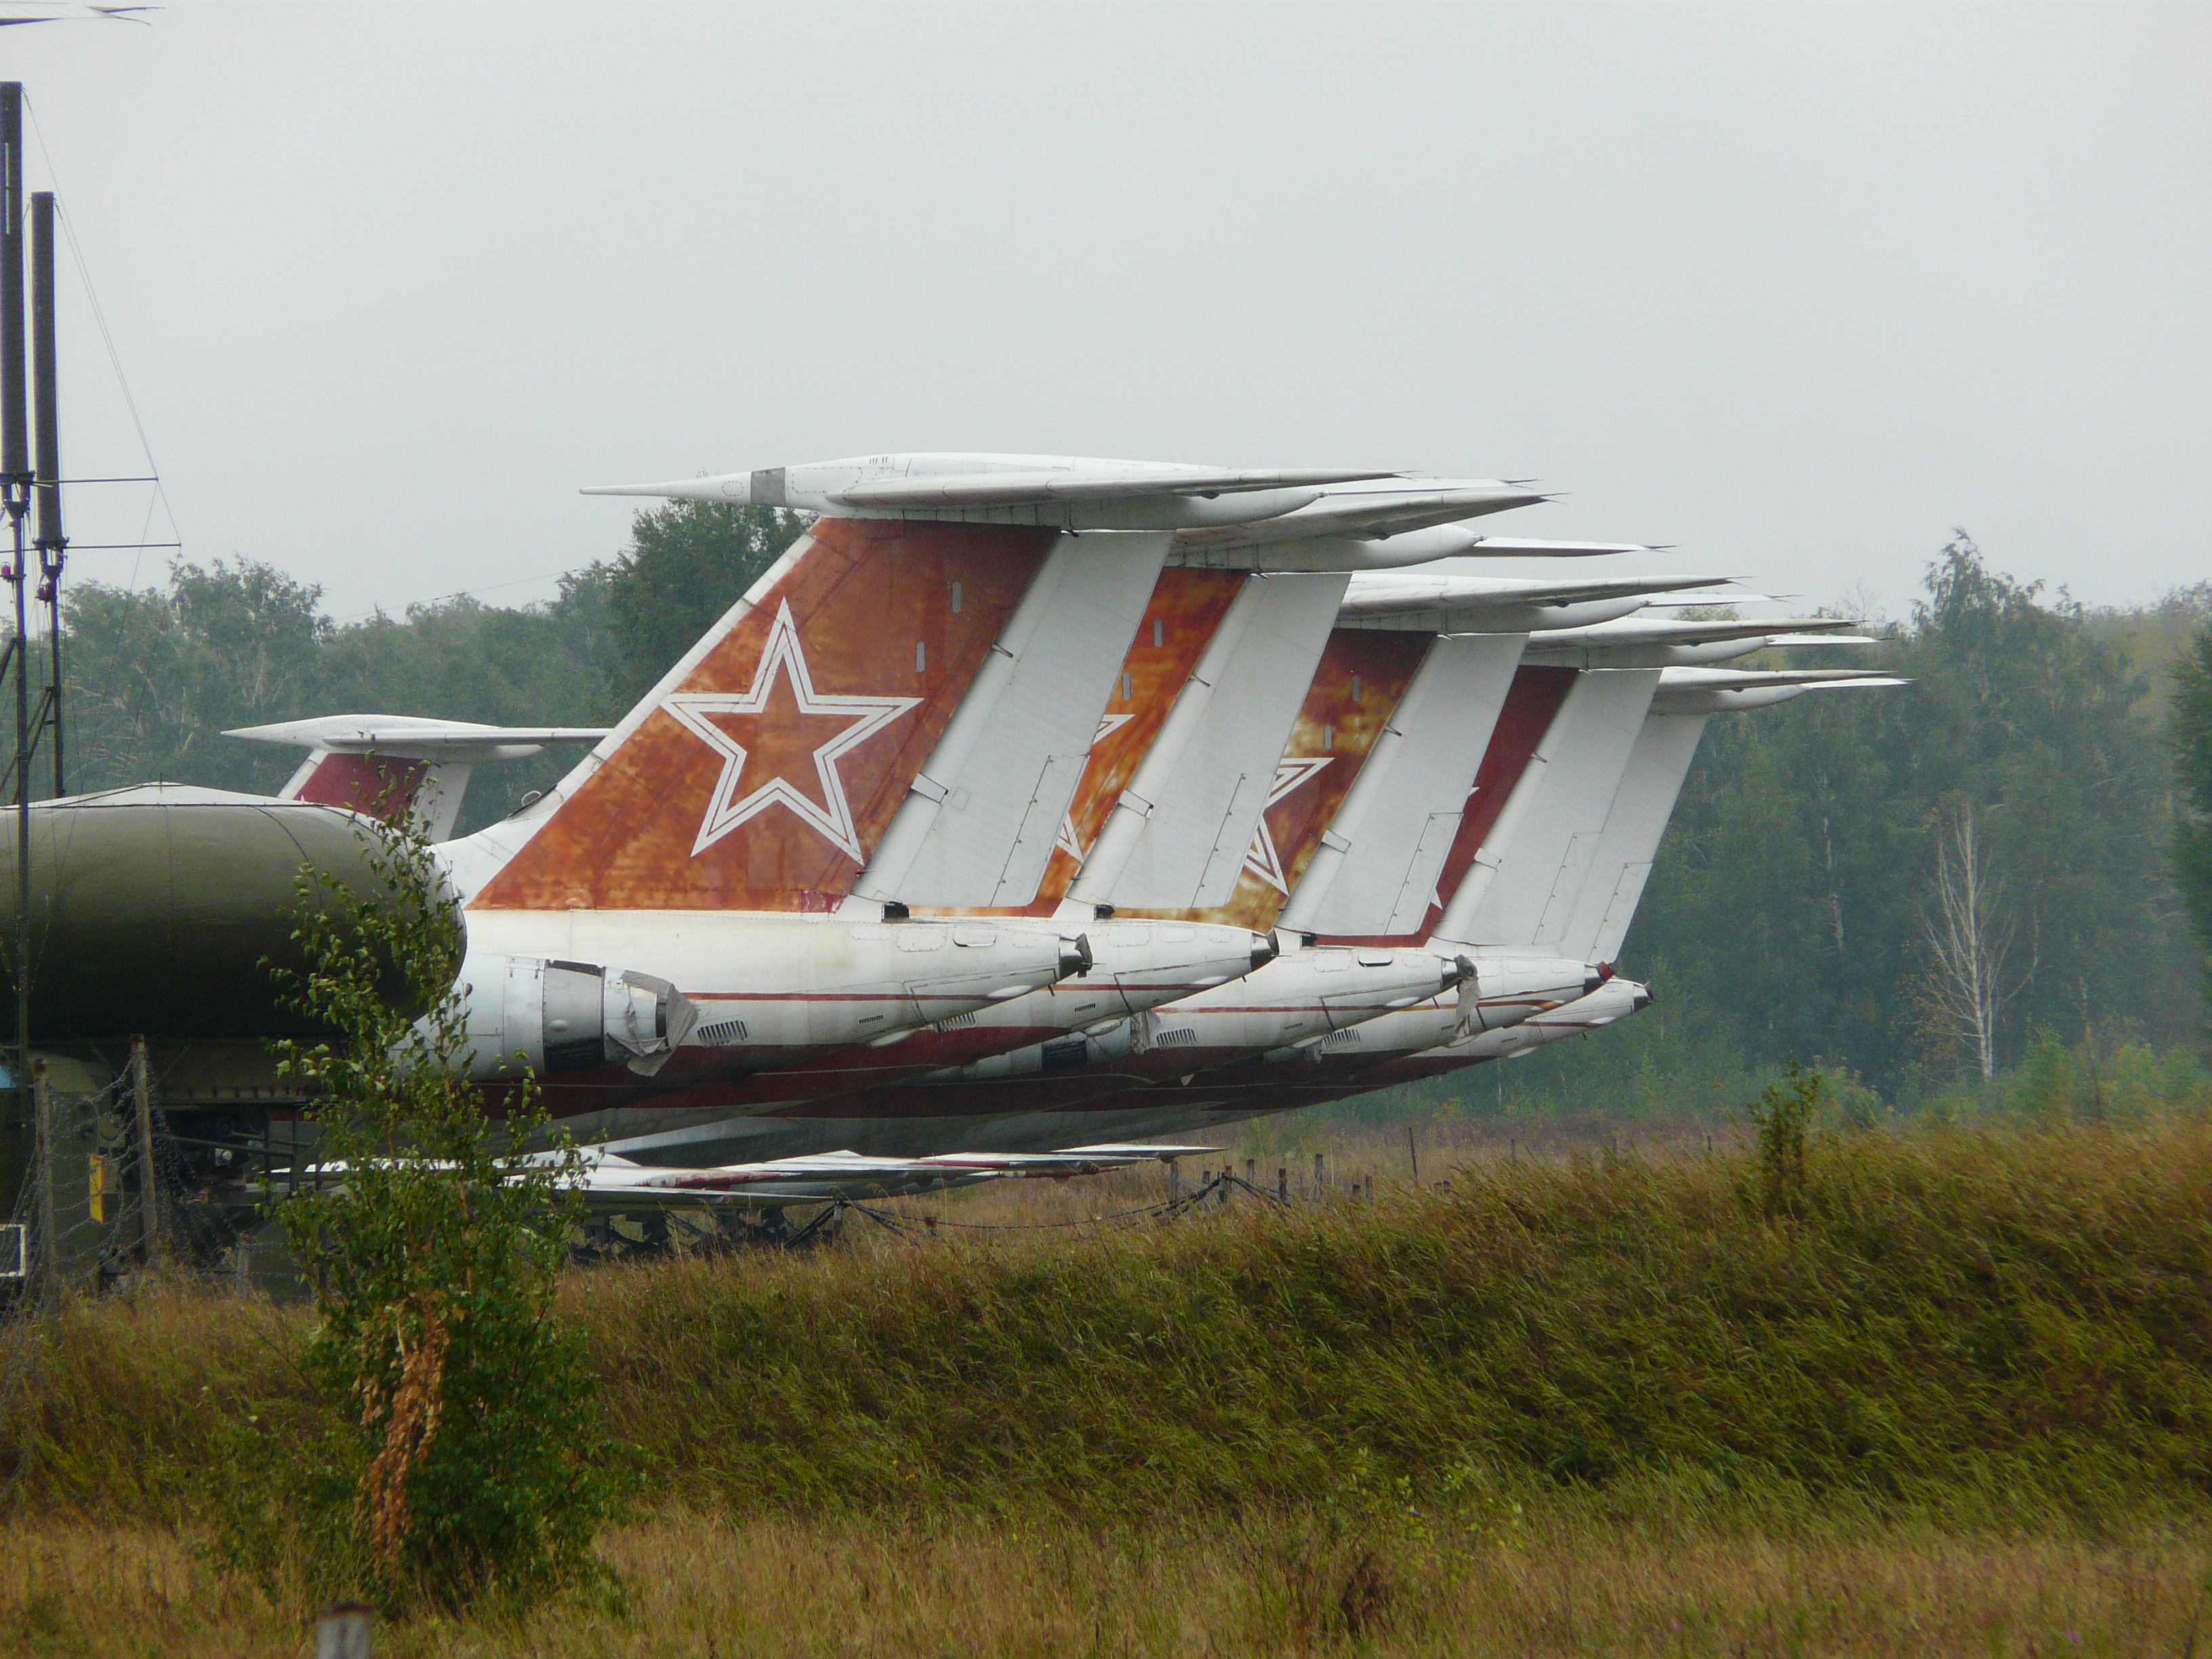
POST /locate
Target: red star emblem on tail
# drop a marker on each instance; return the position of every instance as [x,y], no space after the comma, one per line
[1262,859]
[777,717]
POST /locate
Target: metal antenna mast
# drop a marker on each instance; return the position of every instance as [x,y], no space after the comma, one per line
[16,481]
[46,411]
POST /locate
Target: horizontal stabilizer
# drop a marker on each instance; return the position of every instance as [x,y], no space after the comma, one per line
[933,485]
[1667,630]
[410,737]
[1513,547]
[1444,587]
[56,11]
[1656,641]
[1369,511]
[1447,598]
[1742,679]
[1080,483]
[1724,690]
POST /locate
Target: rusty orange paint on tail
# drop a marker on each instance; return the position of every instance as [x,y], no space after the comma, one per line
[375,785]
[1357,685]
[1187,606]
[764,778]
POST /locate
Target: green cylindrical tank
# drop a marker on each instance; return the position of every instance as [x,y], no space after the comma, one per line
[153,910]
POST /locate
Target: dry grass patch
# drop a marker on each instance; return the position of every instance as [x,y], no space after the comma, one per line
[708,1585]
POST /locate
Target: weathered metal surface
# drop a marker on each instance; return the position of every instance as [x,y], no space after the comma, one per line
[1185,607]
[1358,681]
[762,779]
[982,818]
[1530,706]
[1180,832]
[1378,875]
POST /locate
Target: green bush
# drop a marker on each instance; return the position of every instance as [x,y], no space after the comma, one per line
[448,1451]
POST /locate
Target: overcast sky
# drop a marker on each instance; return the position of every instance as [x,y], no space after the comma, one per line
[1795,288]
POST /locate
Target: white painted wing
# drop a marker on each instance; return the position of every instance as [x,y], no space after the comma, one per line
[611,1183]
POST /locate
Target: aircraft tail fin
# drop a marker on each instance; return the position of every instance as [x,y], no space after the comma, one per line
[763,770]
[1381,860]
[1532,848]
[1652,782]
[1531,702]
[386,765]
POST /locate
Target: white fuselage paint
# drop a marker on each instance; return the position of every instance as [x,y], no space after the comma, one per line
[1307,992]
[1136,966]
[775,989]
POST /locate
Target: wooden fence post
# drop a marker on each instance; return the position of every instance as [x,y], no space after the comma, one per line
[149,1181]
[47,1264]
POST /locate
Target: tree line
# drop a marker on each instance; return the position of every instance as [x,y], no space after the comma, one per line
[155,676]
[1957,889]
[1914,885]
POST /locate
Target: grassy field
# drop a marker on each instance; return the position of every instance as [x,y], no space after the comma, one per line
[1954,1394]
[711,1585]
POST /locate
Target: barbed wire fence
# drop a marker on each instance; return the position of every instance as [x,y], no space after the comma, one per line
[146,1218]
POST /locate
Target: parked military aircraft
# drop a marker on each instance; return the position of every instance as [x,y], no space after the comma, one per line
[1589,883]
[1020,801]
[763,827]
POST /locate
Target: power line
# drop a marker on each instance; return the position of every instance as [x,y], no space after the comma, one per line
[160,493]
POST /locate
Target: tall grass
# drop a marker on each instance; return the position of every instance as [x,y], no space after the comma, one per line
[1979,1330]
[706,1584]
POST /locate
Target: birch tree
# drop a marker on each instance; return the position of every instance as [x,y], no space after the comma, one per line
[1969,935]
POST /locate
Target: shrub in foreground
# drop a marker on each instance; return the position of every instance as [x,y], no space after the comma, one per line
[446,1452]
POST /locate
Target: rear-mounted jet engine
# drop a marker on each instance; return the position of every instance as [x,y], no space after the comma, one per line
[552,1017]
